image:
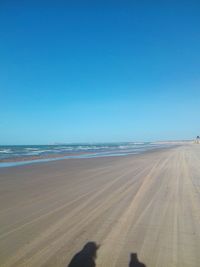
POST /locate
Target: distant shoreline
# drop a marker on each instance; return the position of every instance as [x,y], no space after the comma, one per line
[20,161]
[22,155]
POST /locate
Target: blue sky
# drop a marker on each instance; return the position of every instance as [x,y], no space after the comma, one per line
[123,71]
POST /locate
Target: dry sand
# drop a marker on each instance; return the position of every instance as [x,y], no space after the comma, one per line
[148,204]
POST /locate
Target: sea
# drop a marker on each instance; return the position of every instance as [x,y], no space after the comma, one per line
[26,154]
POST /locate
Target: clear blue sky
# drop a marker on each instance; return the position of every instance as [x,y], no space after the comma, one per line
[99,72]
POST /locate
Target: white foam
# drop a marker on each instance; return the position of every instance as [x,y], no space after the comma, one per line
[6,150]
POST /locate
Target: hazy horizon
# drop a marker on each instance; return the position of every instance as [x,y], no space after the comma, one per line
[102,142]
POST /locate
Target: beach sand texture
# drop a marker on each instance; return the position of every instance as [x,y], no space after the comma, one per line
[147,204]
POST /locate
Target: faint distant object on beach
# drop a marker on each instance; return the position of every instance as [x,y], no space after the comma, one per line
[197,141]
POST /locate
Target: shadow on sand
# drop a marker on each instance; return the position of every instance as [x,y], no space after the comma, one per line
[87,257]
[134,262]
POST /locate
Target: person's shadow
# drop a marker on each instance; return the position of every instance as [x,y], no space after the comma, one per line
[86,257]
[134,262]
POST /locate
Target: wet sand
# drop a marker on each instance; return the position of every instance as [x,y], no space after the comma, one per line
[147,204]
[47,156]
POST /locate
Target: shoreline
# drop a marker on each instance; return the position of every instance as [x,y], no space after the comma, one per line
[43,152]
[21,161]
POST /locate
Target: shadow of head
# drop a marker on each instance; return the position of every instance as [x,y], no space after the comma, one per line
[86,257]
[134,262]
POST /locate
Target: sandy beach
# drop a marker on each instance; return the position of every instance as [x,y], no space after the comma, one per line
[147,204]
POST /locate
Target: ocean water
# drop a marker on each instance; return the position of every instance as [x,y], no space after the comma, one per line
[13,155]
